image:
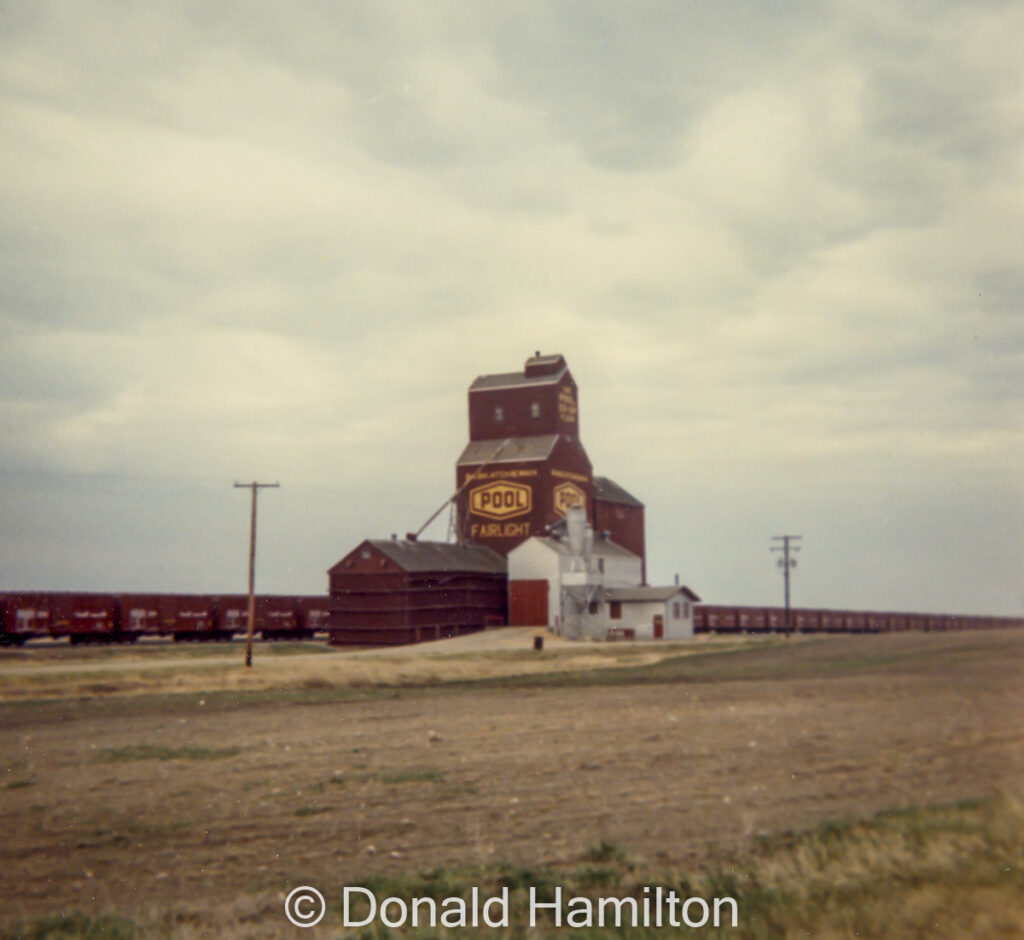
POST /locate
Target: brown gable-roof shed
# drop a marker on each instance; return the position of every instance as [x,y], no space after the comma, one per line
[392,592]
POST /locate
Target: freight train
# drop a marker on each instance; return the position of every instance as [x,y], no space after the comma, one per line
[709,618]
[123,618]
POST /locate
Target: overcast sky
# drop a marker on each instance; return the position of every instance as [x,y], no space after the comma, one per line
[781,245]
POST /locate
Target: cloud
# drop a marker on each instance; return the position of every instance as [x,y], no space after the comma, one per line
[778,243]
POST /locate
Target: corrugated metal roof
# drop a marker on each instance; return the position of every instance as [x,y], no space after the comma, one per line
[610,492]
[603,548]
[515,449]
[440,556]
[514,379]
[649,593]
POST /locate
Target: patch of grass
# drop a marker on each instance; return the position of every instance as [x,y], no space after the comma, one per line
[52,697]
[159,752]
[606,851]
[940,872]
[78,926]
[521,878]
[943,871]
[19,784]
[317,683]
[766,658]
[294,648]
[312,810]
[596,876]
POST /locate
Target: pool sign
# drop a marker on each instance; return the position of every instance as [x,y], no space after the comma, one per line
[566,496]
[501,500]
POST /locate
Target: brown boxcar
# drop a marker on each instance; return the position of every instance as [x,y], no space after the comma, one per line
[141,615]
[806,621]
[726,620]
[915,621]
[877,622]
[233,615]
[315,611]
[95,618]
[192,617]
[776,619]
[279,618]
[831,621]
[18,624]
[747,620]
[937,623]
[29,614]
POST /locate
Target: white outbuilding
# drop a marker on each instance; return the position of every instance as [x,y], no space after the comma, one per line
[590,588]
[648,613]
[540,567]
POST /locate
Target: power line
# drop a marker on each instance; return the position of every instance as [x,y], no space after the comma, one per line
[786,563]
[255,487]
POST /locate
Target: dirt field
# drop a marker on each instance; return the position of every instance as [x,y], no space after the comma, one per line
[216,801]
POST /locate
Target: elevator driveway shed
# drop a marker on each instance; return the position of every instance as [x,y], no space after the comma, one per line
[390,592]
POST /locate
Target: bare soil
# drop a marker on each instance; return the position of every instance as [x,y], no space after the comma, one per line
[220,801]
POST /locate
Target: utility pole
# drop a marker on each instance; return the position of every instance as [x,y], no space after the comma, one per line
[785,563]
[255,487]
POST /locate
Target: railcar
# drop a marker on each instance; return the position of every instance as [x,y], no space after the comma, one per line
[141,615]
[23,616]
[806,621]
[194,617]
[95,618]
[713,618]
[283,618]
[123,618]
[832,621]
[751,619]
[315,614]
